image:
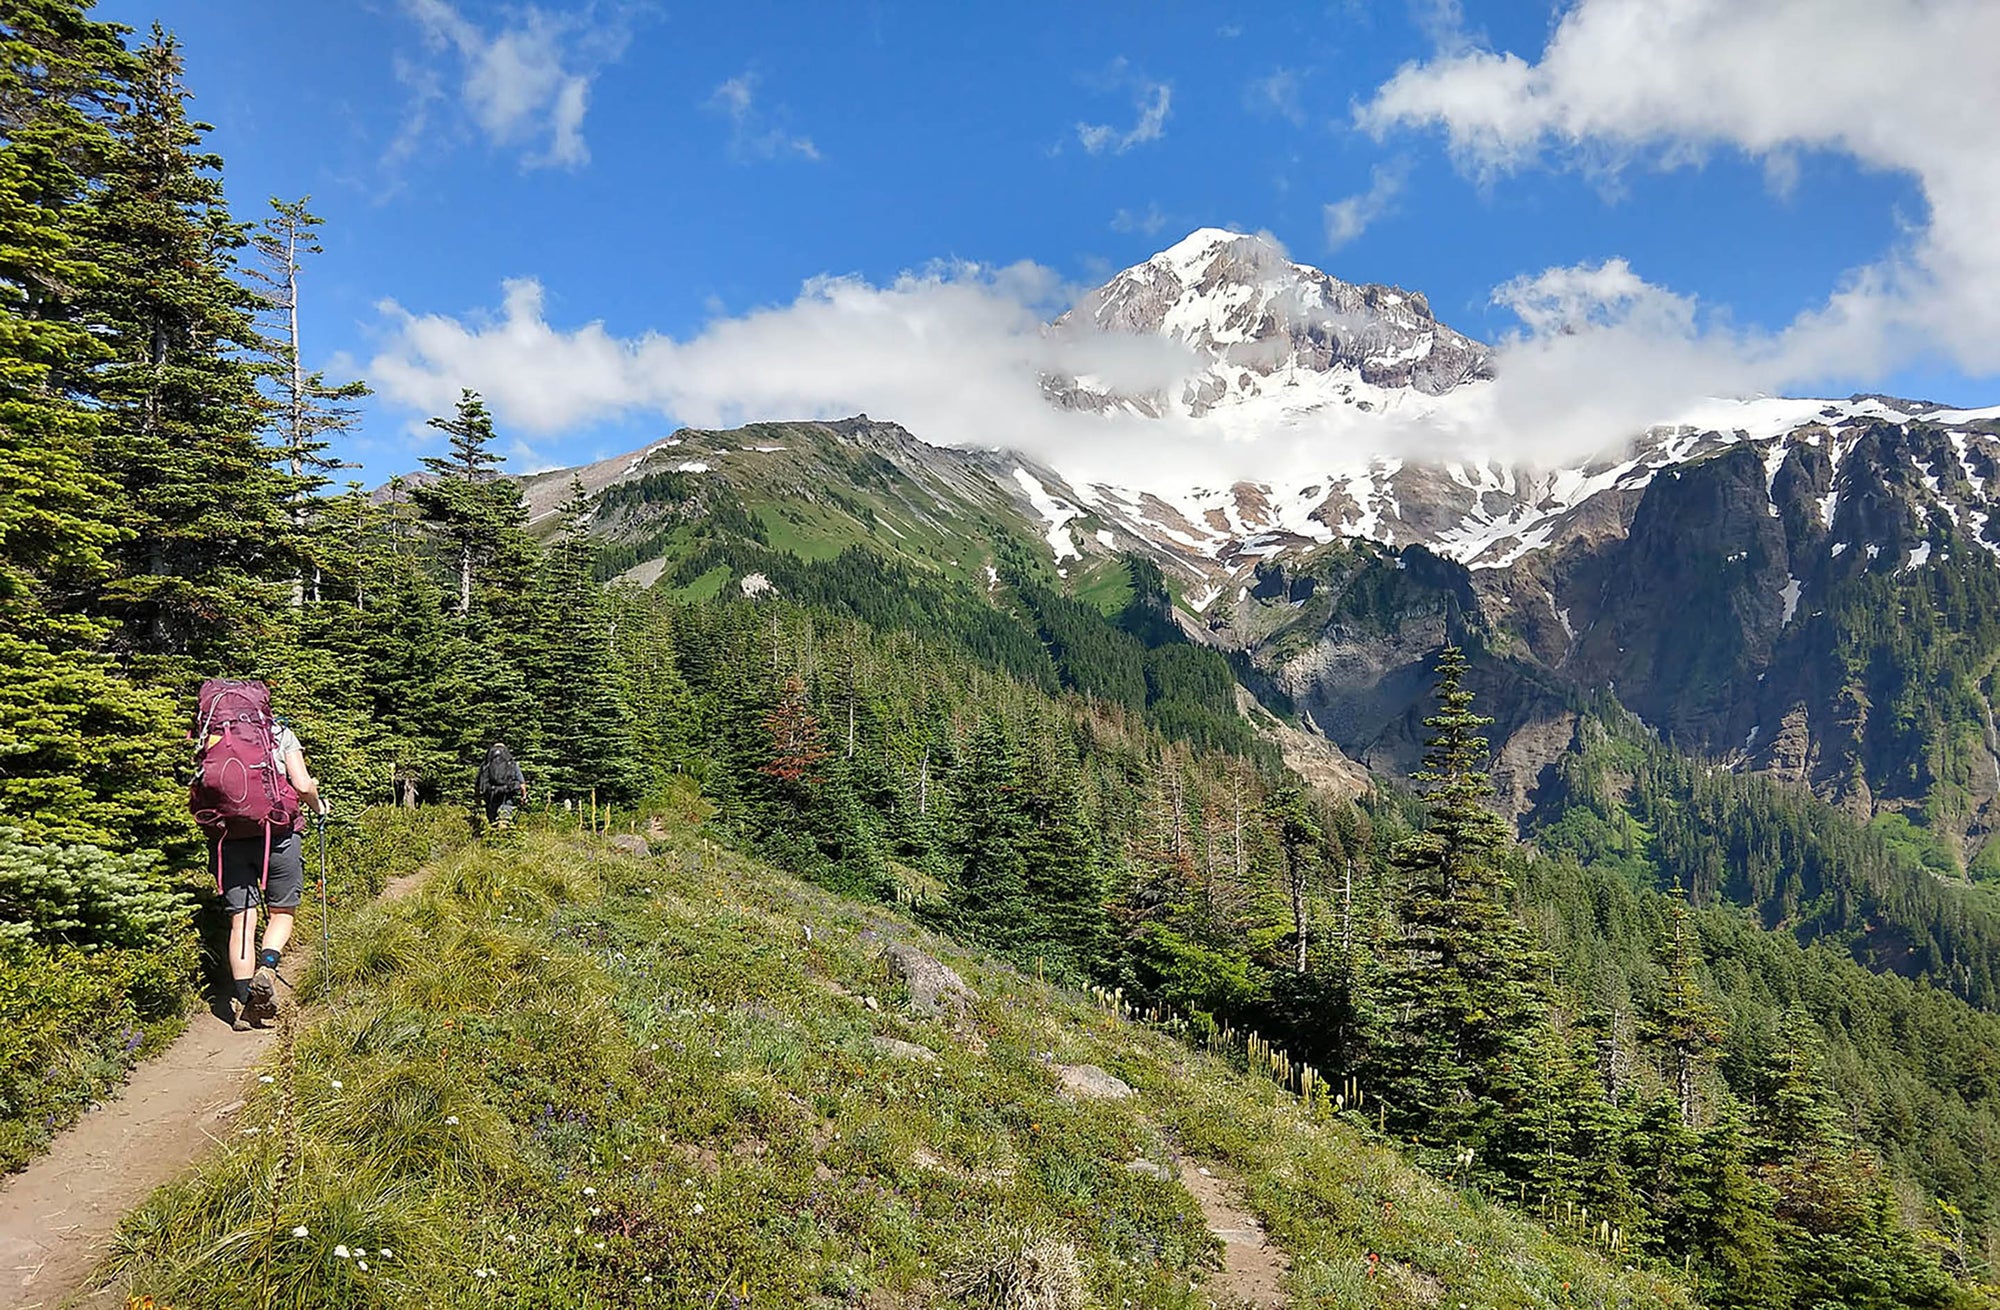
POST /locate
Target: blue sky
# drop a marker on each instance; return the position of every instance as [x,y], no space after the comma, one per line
[662,169]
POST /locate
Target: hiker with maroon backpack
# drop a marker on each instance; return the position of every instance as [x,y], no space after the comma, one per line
[252,794]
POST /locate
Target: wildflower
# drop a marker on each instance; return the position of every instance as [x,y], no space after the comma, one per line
[590,1191]
[341,1251]
[451,1119]
[300,1231]
[338,1085]
[577,1231]
[513,1240]
[697,1207]
[362,1265]
[600,1246]
[596,1210]
[266,1079]
[479,1272]
[386,1253]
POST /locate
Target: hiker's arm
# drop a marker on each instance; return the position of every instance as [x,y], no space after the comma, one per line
[303,782]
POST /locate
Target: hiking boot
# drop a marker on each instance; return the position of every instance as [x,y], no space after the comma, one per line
[241,1023]
[262,1007]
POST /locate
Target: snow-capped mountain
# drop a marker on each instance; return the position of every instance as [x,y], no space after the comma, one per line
[1280,343]
[1280,337]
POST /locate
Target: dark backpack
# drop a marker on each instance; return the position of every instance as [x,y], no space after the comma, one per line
[239,788]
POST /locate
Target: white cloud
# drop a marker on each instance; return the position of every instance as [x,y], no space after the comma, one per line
[1348,218]
[1904,85]
[1151,100]
[1147,222]
[1277,94]
[955,353]
[524,86]
[754,134]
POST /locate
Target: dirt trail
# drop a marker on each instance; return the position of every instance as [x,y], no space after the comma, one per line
[57,1215]
[1253,1271]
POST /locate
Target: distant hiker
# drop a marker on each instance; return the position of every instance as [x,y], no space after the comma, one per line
[251,794]
[500,785]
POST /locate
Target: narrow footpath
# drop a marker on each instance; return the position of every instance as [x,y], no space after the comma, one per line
[58,1215]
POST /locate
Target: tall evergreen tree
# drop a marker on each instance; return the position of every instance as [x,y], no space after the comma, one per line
[584,738]
[1460,989]
[307,411]
[178,403]
[467,505]
[1683,1021]
[86,749]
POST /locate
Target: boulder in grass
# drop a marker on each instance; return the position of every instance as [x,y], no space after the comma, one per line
[632,844]
[1087,1080]
[934,987]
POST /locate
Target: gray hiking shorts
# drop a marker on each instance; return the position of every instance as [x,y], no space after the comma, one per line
[244,881]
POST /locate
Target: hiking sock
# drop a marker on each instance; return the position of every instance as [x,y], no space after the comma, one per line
[267,959]
[242,986]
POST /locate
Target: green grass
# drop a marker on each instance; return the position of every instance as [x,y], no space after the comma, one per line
[606,1080]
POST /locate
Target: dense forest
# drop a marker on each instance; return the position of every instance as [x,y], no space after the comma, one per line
[1595,1022]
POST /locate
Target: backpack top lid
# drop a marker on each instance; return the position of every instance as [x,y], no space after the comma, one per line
[239,787]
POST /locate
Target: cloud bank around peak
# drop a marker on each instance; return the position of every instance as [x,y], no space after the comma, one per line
[1903,85]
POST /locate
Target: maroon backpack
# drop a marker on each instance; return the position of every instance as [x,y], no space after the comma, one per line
[240,788]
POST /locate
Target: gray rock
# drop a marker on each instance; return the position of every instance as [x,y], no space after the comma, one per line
[1150,1168]
[904,1050]
[934,988]
[631,843]
[1091,1081]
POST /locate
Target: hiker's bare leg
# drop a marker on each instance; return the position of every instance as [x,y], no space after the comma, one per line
[242,944]
[278,928]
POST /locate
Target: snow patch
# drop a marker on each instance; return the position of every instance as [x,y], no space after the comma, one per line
[1793,589]
[756,584]
[1057,514]
[691,466]
[1920,555]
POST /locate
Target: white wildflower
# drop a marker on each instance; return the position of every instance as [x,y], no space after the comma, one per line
[341,1251]
[451,1119]
[362,1265]
[338,1085]
[300,1231]
[590,1191]
[697,1207]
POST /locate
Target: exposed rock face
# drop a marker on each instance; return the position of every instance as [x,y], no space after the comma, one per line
[632,844]
[1258,323]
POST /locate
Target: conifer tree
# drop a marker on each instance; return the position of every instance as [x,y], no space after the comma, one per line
[178,402]
[467,506]
[989,899]
[87,751]
[1683,1021]
[583,741]
[306,410]
[1460,988]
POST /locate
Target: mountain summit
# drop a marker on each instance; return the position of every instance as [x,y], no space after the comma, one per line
[1268,333]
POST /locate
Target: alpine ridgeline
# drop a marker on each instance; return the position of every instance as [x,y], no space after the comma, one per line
[1805,587]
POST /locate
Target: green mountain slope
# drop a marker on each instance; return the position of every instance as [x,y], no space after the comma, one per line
[563,1075]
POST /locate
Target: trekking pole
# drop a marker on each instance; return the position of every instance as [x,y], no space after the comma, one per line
[325,919]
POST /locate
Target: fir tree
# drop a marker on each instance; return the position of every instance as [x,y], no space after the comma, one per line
[306,410]
[88,753]
[989,900]
[178,401]
[467,505]
[1682,1021]
[583,742]
[1460,989]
